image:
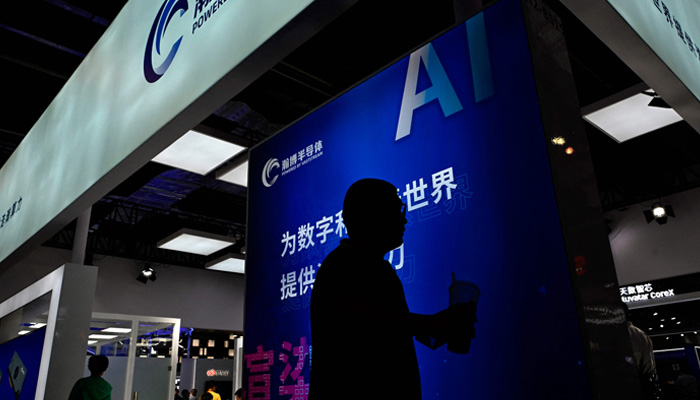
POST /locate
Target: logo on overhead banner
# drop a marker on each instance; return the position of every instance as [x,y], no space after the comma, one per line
[160,26]
[204,10]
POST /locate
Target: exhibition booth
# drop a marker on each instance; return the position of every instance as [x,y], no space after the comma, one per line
[479,129]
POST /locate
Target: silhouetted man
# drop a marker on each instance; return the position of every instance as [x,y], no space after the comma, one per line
[361,328]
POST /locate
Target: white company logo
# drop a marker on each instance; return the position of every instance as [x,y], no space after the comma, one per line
[267,172]
[290,164]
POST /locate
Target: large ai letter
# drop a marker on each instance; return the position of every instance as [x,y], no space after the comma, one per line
[441,89]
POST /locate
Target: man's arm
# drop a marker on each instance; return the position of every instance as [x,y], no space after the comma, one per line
[457,318]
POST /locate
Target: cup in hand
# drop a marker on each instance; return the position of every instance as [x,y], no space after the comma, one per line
[461,294]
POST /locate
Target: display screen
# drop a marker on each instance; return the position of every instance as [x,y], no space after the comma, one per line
[455,126]
[20,359]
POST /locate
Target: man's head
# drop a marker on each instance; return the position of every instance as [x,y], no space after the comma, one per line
[207,396]
[211,386]
[373,213]
[239,394]
[194,392]
[98,365]
[185,393]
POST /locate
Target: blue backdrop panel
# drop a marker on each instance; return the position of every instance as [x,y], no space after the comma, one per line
[473,169]
[28,348]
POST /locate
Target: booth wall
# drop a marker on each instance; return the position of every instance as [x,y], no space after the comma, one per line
[646,252]
[200,298]
[151,377]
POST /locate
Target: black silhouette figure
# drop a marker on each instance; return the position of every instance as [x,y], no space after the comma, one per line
[361,327]
[93,387]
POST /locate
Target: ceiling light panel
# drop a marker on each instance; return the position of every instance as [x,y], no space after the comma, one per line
[631,117]
[116,330]
[238,175]
[98,336]
[198,153]
[228,264]
[194,242]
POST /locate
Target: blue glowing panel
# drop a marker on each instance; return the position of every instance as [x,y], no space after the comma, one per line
[20,359]
[456,127]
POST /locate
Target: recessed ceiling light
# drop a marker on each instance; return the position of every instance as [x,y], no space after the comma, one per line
[195,242]
[23,332]
[91,342]
[37,325]
[627,115]
[229,263]
[238,175]
[98,336]
[114,329]
[198,153]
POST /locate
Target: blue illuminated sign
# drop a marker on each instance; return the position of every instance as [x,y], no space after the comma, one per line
[456,127]
[20,359]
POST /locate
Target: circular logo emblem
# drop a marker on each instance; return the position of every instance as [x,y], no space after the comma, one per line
[211,372]
[267,178]
[160,25]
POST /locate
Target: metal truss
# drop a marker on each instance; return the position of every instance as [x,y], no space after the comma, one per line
[107,242]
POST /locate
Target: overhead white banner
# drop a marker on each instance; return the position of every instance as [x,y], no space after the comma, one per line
[148,80]
[671,29]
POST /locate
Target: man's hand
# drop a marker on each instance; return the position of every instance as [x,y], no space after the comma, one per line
[456,320]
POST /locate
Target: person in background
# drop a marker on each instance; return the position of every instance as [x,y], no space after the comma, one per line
[643,352]
[193,394]
[211,388]
[94,387]
[185,394]
[177,394]
[240,394]
[207,396]
[686,386]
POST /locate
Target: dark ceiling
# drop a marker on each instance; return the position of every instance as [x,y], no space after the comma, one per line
[43,42]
